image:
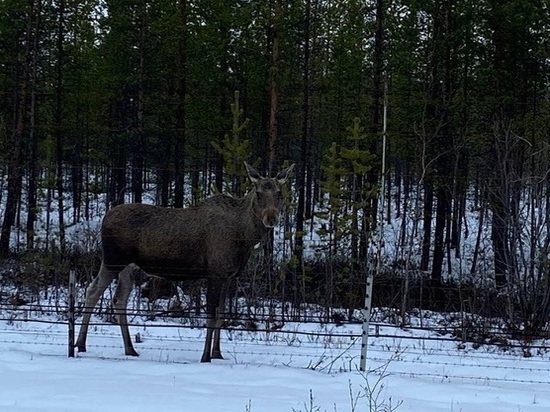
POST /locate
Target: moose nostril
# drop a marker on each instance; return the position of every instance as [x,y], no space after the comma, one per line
[271,217]
[269,223]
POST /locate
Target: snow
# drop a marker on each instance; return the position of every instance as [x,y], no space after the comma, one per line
[305,367]
[290,370]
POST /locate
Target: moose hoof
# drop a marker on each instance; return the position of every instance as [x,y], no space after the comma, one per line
[81,348]
[217,355]
[205,359]
[131,352]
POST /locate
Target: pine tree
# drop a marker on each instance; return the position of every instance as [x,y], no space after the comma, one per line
[344,182]
[235,150]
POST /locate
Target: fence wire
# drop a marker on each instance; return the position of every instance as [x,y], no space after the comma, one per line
[327,349]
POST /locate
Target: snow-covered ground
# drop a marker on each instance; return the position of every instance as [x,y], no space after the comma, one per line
[308,368]
[263,372]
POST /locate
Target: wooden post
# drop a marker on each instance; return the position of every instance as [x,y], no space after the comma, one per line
[71,322]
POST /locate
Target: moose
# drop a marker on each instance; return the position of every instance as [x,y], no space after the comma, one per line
[211,241]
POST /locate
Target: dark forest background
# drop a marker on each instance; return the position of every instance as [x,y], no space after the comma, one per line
[162,101]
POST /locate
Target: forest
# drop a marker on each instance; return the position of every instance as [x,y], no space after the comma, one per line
[162,101]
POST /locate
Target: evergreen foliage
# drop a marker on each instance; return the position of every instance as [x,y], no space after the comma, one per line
[345,168]
[110,99]
[235,150]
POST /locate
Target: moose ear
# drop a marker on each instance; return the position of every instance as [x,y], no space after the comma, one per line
[252,173]
[283,175]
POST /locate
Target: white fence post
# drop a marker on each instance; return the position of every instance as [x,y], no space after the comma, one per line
[366,320]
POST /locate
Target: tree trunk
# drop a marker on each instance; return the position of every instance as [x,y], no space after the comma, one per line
[15,174]
[33,139]
[378,71]
[163,176]
[138,170]
[181,90]
[479,235]
[59,122]
[119,177]
[499,237]
[15,143]
[427,231]
[139,148]
[376,113]
[301,179]
[76,180]
[274,82]
[439,234]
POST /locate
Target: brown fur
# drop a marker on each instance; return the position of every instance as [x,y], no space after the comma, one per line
[212,240]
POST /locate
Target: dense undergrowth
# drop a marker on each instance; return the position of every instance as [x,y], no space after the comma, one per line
[323,292]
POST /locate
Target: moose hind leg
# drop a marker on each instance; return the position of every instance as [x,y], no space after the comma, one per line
[120,303]
[213,290]
[216,347]
[206,356]
[93,293]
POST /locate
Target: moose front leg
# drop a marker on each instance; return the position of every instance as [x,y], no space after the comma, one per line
[213,295]
[210,325]
[220,311]
[216,346]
